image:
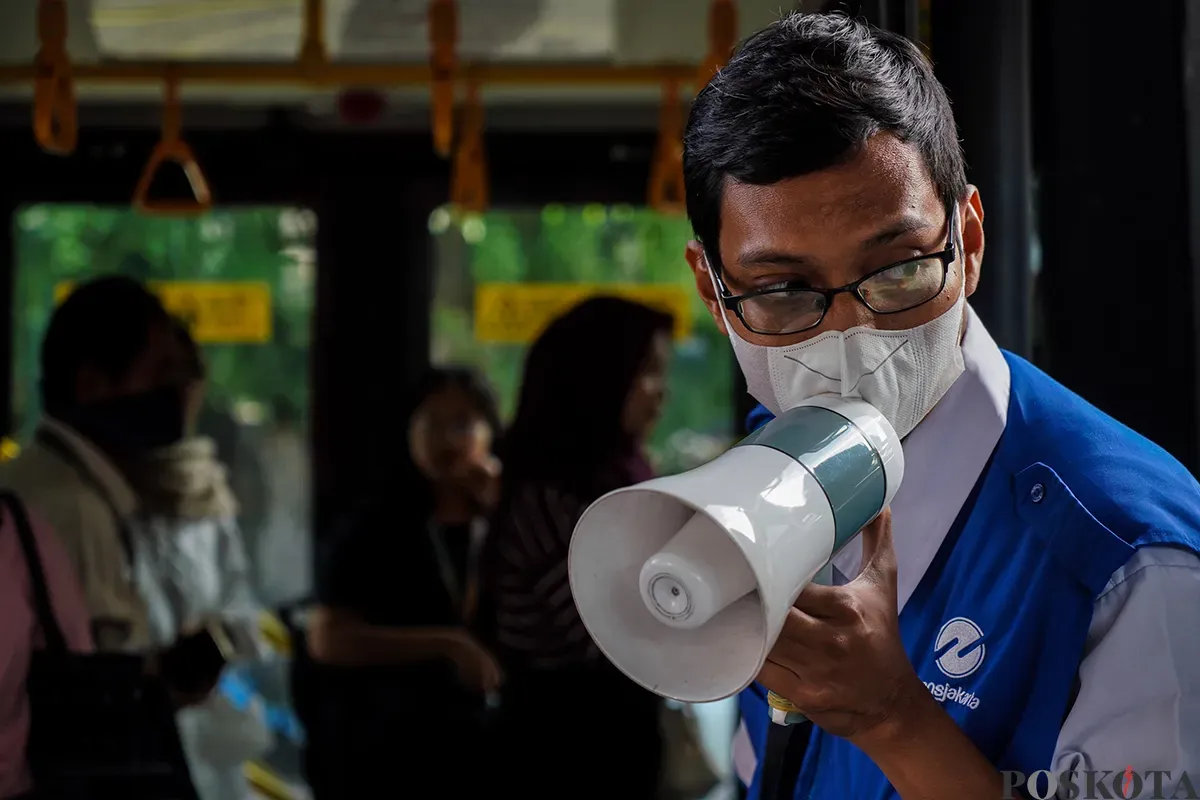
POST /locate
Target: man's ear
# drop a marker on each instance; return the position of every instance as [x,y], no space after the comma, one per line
[972,239]
[698,261]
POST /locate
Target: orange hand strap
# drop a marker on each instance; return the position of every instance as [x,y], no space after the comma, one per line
[443,60]
[313,51]
[171,148]
[667,193]
[722,38]
[468,183]
[55,114]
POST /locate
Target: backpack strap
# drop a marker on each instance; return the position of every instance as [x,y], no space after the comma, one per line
[47,619]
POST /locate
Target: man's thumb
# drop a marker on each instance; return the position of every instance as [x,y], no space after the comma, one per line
[878,552]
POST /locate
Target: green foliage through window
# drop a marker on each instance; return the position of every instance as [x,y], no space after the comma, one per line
[591,244]
[72,243]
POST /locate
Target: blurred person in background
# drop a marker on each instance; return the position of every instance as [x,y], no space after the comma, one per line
[592,391]
[110,390]
[283,548]
[191,568]
[397,595]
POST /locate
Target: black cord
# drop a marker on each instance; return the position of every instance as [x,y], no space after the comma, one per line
[782,758]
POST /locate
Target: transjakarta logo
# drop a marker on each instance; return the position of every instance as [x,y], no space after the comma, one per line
[959,649]
[1097,784]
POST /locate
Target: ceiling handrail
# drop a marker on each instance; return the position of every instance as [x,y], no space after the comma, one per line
[55,110]
[172,149]
[356,74]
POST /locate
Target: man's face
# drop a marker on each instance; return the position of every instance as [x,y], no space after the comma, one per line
[156,367]
[830,228]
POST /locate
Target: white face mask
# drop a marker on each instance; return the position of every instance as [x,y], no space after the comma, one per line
[902,373]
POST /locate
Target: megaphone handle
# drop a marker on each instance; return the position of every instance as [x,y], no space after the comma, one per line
[782,710]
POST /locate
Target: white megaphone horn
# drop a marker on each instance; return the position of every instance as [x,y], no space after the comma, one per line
[684,582]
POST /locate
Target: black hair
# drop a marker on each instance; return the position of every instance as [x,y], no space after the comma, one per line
[104,323]
[805,94]
[194,368]
[577,377]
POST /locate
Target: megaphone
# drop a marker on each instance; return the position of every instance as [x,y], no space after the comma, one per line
[684,582]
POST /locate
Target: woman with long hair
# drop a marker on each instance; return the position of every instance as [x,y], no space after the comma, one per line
[592,391]
[396,592]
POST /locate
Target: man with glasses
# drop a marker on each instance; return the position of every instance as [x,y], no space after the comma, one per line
[1030,601]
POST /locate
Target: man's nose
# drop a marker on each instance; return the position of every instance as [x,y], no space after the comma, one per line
[846,312]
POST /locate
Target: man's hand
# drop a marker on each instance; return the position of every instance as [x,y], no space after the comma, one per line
[840,658]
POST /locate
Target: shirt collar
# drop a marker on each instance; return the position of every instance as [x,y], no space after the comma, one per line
[943,458]
[98,464]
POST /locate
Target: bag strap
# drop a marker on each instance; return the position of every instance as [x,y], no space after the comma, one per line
[47,619]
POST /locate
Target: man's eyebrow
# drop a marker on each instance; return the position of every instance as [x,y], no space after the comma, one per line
[908,224]
[765,257]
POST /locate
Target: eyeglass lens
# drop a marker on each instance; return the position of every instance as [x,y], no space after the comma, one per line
[896,289]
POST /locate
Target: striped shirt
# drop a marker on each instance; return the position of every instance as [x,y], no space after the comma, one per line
[535,616]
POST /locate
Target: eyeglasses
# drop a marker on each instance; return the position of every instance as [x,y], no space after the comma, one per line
[787,309]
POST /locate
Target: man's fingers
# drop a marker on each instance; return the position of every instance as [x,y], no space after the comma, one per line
[778,678]
[803,638]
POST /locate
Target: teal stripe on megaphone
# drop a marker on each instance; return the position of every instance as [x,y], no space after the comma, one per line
[844,462]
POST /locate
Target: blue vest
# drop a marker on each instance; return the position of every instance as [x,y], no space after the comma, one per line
[1069,495]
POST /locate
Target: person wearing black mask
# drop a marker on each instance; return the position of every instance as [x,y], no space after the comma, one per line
[111,388]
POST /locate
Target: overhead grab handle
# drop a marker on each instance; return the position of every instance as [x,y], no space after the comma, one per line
[314,53]
[443,61]
[666,191]
[55,113]
[469,182]
[172,149]
[722,38]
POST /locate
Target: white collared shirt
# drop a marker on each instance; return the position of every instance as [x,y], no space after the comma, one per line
[1139,698]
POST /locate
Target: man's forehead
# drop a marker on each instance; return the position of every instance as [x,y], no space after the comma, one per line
[885,178]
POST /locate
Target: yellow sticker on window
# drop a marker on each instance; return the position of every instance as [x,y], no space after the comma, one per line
[515,313]
[234,312]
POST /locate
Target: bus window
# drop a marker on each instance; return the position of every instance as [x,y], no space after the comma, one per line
[243,279]
[502,275]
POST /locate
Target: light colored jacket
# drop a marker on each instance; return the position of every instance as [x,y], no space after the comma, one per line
[78,511]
